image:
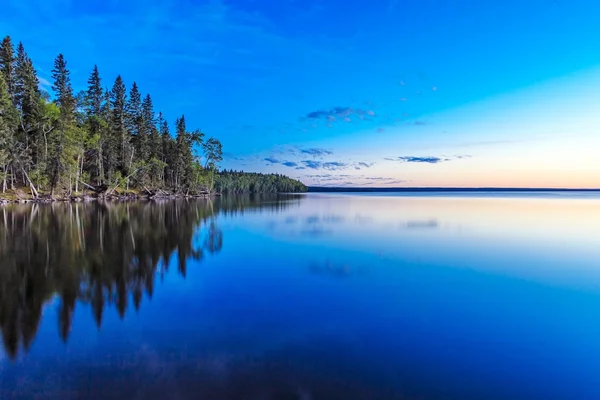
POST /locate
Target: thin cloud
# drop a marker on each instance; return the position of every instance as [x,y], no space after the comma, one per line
[330,165]
[365,164]
[334,165]
[271,160]
[289,164]
[312,164]
[428,159]
[412,159]
[316,152]
[44,82]
[333,113]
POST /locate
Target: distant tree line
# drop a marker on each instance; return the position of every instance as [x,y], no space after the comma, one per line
[98,138]
[244,182]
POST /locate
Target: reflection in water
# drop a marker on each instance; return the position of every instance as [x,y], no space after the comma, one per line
[100,254]
[431,224]
[314,297]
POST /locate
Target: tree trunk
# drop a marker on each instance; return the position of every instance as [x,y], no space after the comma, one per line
[5,172]
[34,191]
[129,169]
[100,166]
[77,175]
[12,178]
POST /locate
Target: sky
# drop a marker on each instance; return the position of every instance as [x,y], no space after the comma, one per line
[446,93]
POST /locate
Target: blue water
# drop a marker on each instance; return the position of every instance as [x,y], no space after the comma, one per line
[349,296]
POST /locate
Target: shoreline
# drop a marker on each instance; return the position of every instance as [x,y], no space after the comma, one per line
[84,198]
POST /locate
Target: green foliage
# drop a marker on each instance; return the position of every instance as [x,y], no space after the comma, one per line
[103,136]
[243,182]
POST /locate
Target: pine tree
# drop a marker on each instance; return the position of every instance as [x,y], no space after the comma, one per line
[119,141]
[62,88]
[183,162]
[108,159]
[154,157]
[63,161]
[96,124]
[167,146]
[8,126]
[28,100]
[94,93]
[7,65]
[136,128]
[150,131]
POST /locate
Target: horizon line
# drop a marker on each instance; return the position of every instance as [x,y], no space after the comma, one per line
[441,188]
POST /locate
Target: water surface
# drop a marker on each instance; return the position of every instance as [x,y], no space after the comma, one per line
[318,296]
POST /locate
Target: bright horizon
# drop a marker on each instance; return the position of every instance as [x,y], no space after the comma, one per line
[438,94]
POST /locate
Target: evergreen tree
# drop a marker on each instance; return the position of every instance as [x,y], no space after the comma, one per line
[8,123]
[184,157]
[150,131]
[62,162]
[96,125]
[119,141]
[94,93]
[137,131]
[7,65]
[167,147]
[28,100]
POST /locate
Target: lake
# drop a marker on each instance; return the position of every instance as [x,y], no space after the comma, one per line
[314,296]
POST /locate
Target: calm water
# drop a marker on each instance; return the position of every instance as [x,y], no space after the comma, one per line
[318,296]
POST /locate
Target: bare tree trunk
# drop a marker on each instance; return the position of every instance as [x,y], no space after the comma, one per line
[100,166]
[34,191]
[77,175]
[129,169]
[46,144]
[12,178]
[5,172]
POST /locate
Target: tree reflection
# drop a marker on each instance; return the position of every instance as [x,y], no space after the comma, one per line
[104,255]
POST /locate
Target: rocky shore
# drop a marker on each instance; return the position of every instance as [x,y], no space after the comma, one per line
[22,198]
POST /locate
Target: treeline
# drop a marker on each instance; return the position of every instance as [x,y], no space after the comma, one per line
[244,182]
[99,138]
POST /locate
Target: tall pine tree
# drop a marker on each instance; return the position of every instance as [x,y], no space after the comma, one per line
[7,65]
[8,127]
[62,162]
[96,124]
[119,138]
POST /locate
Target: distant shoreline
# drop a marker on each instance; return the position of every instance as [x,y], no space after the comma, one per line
[320,189]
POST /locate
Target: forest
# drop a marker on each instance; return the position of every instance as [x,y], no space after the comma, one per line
[103,140]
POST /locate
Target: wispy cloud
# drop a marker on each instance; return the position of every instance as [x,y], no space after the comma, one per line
[289,164]
[316,152]
[271,160]
[426,160]
[338,113]
[329,165]
[44,83]
[412,159]
[363,164]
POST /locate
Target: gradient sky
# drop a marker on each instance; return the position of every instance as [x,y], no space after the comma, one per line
[380,93]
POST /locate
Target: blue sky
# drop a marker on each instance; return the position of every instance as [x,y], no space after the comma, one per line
[380,93]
